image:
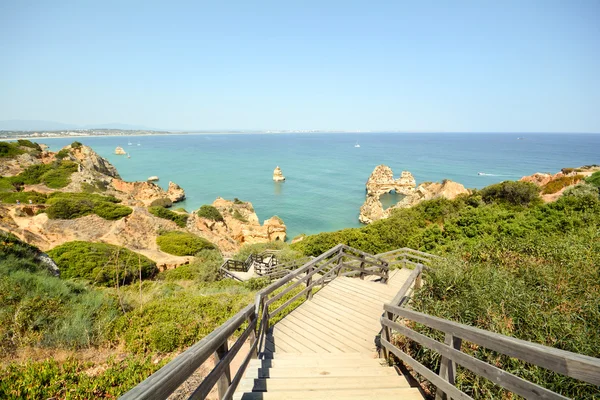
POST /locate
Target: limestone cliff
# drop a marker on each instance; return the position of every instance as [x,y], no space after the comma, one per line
[240,226]
[382,181]
[278,175]
[543,179]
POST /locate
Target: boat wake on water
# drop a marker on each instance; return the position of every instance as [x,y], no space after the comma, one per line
[484,174]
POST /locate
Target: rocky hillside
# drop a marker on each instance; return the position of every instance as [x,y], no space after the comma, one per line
[382,181]
[90,202]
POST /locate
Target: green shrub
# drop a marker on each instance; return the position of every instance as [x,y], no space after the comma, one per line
[560,183]
[76,145]
[101,263]
[76,205]
[9,150]
[179,219]
[62,154]
[594,179]
[511,192]
[111,211]
[567,171]
[56,175]
[181,209]
[237,201]
[582,190]
[72,379]
[176,320]
[23,197]
[237,215]
[182,243]
[163,202]
[6,184]
[209,212]
[28,143]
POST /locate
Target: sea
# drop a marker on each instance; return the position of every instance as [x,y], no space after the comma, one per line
[326,172]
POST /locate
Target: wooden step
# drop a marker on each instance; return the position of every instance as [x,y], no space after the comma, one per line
[321,383]
[340,394]
[321,356]
[316,362]
[289,372]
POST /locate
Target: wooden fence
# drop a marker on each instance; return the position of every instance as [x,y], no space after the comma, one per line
[253,323]
[570,364]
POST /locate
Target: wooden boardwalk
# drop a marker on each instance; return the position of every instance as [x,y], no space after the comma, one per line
[325,348]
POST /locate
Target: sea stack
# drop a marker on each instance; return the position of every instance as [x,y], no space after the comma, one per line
[120,151]
[278,175]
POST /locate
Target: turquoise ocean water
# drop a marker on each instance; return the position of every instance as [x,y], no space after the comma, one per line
[325,173]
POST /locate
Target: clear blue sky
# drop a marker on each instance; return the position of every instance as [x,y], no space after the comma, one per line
[497,66]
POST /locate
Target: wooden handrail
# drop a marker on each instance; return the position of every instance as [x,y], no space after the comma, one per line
[327,266]
[564,362]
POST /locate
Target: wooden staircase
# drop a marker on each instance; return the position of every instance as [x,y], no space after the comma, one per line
[326,348]
[323,376]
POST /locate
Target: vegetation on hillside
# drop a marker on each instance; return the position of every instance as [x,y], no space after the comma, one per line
[182,243]
[161,212]
[209,212]
[75,205]
[101,263]
[513,266]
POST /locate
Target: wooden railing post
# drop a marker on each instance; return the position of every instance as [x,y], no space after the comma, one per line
[387,336]
[447,366]
[308,282]
[362,265]
[225,379]
[252,336]
[340,261]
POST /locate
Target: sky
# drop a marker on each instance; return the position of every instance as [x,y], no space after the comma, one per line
[442,66]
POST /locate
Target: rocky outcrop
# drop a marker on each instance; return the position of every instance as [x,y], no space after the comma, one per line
[240,226]
[144,193]
[382,181]
[278,175]
[91,161]
[175,192]
[543,179]
[120,151]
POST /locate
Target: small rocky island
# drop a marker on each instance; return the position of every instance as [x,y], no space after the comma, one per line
[382,181]
[120,151]
[278,175]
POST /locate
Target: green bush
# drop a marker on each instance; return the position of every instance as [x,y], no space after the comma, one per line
[62,154]
[9,150]
[6,184]
[28,143]
[237,215]
[71,378]
[39,309]
[179,219]
[76,205]
[163,202]
[23,197]
[76,145]
[560,183]
[101,263]
[56,175]
[594,179]
[182,243]
[209,212]
[511,192]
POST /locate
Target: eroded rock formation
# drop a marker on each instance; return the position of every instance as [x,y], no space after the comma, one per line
[240,226]
[278,175]
[175,192]
[120,151]
[382,181]
[144,193]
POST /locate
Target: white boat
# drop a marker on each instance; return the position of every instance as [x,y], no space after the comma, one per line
[129,144]
[139,144]
[128,156]
[481,173]
[357,145]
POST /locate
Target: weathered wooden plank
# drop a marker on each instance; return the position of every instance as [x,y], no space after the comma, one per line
[325,308]
[426,372]
[340,338]
[354,301]
[323,383]
[564,362]
[331,300]
[240,373]
[362,253]
[399,298]
[357,295]
[306,338]
[447,366]
[365,290]
[290,341]
[498,376]
[315,338]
